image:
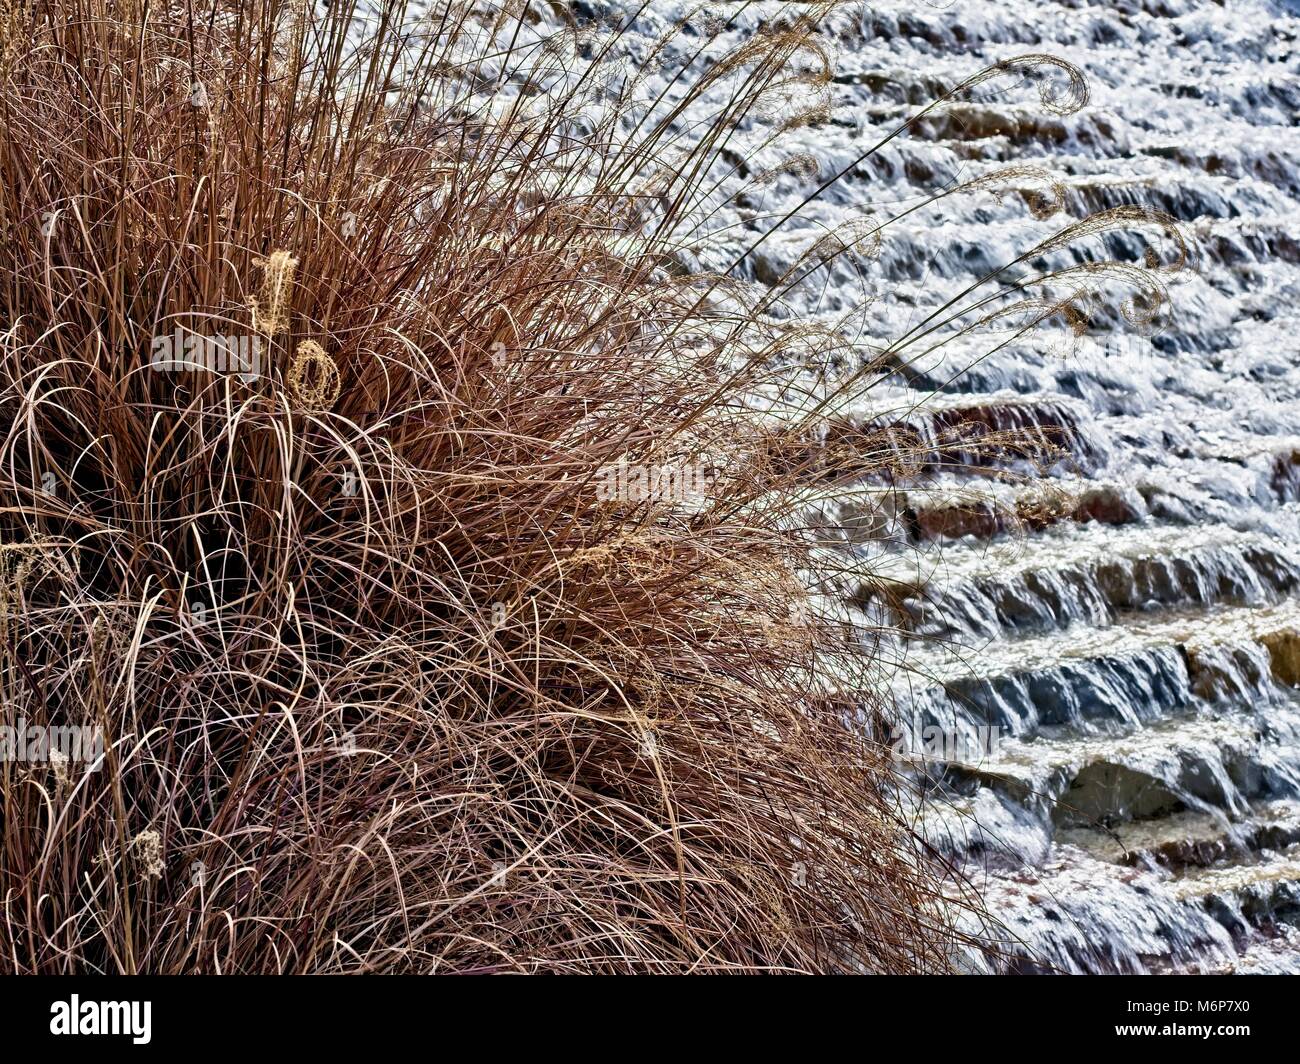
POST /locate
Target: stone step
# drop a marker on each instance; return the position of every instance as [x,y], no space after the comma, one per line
[1073,574]
[1190,837]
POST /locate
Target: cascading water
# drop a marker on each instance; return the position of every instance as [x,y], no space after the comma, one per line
[1122,605]
[1136,639]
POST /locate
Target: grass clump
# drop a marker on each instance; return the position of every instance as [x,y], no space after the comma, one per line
[392,675]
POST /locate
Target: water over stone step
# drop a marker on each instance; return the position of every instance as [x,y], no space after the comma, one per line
[1191,838]
[1247,155]
[907,439]
[1274,952]
[1201,763]
[1078,573]
[981,509]
[913,433]
[1078,914]
[1125,673]
[1244,896]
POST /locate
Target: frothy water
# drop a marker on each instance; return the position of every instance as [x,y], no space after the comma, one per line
[1122,604]
[1126,610]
